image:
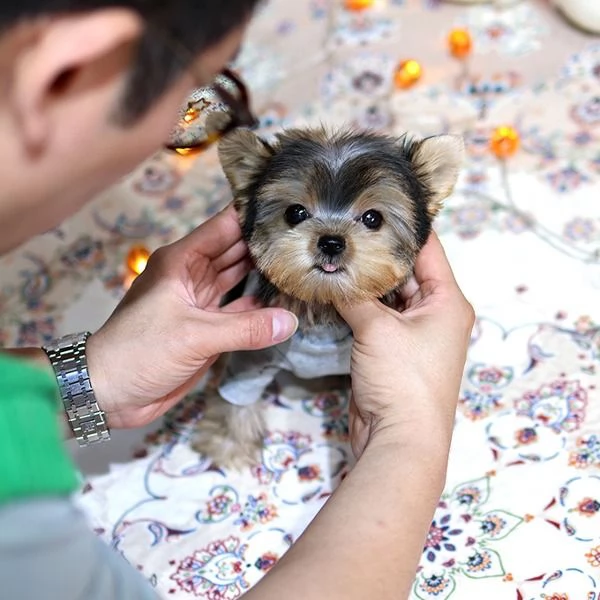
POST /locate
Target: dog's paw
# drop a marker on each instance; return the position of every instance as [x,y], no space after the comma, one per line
[226,452]
[228,435]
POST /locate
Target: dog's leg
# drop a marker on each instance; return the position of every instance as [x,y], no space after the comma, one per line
[232,436]
[231,432]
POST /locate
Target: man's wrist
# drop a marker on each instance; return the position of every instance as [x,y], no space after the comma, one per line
[38,357]
[427,451]
[105,388]
[429,426]
[68,357]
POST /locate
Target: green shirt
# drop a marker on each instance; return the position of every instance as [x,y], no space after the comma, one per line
[33,459]
[46,548]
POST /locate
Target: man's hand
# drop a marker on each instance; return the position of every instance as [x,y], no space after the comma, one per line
[407,364]
[169,329]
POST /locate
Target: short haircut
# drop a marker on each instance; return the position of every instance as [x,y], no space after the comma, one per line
[170,25]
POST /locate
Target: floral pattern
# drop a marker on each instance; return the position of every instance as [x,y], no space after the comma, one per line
[257,510]
[559,405]
[587,113]
[515,30]
[461,540]
[519,516]
[586,453]
[216,572]
[332,408]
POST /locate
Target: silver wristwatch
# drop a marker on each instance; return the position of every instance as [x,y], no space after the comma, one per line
[86,418]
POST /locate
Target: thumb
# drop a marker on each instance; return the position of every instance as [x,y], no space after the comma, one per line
[359,316]
[253,329]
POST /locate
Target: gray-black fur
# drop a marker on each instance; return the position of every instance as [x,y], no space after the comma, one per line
[373,157]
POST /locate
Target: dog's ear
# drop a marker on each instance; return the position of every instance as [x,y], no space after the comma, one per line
[243,154]
[437,161]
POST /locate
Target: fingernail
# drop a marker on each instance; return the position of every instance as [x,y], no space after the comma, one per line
[284,326]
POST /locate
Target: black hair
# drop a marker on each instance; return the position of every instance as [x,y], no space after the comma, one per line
[170,26]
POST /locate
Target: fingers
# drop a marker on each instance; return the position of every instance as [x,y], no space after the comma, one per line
[409,289]
[230,277]
[432,264]
[231,256]
[215,236]
[242,304]
[431,267]
[251,330]
[360,316]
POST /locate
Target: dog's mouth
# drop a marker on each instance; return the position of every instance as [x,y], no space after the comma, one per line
[329,268]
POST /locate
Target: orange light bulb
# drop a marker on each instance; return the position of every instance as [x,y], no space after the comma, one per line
[358,5]
[137,259]
[407,73]
[460,43]
[505,141]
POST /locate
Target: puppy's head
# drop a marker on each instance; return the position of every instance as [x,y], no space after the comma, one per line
[337,218]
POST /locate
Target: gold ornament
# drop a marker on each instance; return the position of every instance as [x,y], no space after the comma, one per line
[358,5]
[460,43]
[505,141]
[137,259]
[407,73]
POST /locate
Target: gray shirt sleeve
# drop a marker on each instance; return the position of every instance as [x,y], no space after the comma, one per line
[48,552]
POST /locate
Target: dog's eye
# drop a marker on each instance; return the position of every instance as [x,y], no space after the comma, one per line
[372,219]
[296,213]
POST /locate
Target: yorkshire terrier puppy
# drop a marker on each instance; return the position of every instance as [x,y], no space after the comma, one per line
[329,218]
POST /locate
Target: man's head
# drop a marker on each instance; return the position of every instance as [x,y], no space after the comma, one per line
[89,88]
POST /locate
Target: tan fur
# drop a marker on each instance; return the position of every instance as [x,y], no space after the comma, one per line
[438,160]
[386,196]
[293,191]
[241,154]
[290,264]
[230,435]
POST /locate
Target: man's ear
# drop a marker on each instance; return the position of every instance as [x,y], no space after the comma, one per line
[243,155]
[437,161]
[63,49]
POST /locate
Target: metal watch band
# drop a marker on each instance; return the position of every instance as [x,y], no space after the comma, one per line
[86,418]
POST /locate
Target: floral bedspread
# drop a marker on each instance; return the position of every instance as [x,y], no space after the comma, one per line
[520,517]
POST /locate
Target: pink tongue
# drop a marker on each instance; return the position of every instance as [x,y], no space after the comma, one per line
[329,268]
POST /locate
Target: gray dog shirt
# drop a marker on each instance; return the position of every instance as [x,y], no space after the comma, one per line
[310,353]
[316,352]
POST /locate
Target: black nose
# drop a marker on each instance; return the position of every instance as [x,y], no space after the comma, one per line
[331,244]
